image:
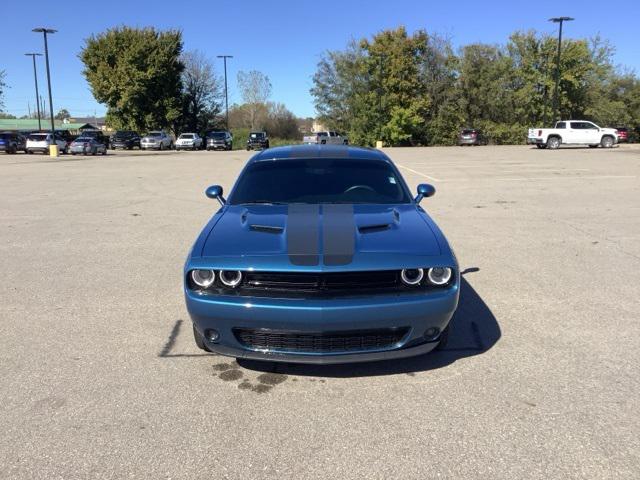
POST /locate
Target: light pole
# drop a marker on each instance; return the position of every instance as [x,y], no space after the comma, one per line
[226,93]
[44,32]
[556,94]
[35,78]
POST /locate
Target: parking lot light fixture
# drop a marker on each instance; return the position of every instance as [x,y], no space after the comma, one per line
[556,94]
[35,78]
[45,32]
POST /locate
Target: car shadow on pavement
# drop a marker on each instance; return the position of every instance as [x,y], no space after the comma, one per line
[474,330]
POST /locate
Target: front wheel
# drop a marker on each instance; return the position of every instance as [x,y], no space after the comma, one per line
[444,338]
[554,143]
[606,142]
[199,340]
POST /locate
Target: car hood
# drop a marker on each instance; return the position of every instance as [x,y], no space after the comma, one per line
[322,236]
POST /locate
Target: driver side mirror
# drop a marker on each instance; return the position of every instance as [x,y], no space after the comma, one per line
[424,191]
[215,191]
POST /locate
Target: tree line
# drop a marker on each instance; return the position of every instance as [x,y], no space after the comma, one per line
[147,81]
[414,89]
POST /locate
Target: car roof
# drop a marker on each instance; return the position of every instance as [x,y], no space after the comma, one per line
[294,152]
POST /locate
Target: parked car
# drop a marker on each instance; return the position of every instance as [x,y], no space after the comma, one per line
[471,136]
[125,139]
[98,135]
[257,141]
[573,132]
[87,146]
[623,134]
[326,138]
[188,141]
[156,140]
[40,142]
[11,142]
[382,283]
[221,140]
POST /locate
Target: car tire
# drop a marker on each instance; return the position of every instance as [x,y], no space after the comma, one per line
[554,143]
[607,141]
[161,146]
[444,339]
[199,340]
[171,146]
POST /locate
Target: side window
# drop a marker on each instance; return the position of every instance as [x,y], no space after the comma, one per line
[590,126]
[577,125]
[561,125]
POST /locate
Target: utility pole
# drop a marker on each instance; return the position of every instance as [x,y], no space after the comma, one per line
[35,78]
[226,92]
[44,32]
[556,94]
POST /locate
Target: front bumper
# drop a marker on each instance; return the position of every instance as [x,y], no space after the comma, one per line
[415,311]
[217,146]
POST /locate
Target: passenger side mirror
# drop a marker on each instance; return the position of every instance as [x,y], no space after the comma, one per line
[215,191]
[425,190]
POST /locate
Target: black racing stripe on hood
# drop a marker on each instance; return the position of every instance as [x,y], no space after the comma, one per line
[338,234]
[302,234]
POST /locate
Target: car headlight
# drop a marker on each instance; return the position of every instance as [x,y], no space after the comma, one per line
[439,275]
[412,276]
[203,278]
[230,278]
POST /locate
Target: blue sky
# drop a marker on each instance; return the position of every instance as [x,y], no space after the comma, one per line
[283,39]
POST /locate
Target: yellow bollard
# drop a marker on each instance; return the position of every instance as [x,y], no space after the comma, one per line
[53,150]
[379,144]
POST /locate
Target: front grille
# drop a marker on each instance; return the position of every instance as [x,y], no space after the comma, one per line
[329,342]
[321,284]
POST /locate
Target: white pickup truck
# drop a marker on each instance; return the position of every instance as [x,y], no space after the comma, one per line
[328,138]
[573,132]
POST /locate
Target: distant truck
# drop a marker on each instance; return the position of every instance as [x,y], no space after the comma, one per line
[573,132]
[326,138]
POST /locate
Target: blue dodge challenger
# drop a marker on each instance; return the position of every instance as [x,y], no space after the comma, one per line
[320,254]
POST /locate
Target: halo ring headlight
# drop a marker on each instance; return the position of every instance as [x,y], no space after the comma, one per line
[203,278]
[439,275]
[412,276]
[230,278]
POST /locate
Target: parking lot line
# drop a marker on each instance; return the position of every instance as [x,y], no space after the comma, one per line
[419,173]
[567,177]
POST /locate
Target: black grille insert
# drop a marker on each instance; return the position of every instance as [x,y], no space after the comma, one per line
[321,283]
[326,342]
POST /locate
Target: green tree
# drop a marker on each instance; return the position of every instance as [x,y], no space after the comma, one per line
[137,74]
[62,114]
[255,88]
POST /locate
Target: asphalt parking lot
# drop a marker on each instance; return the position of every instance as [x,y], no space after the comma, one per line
[100,378]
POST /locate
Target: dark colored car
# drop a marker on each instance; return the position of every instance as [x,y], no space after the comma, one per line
[258,141]
[221,140]
[11,142]
[623,134]
[98,135]
[125,139]
[471,136]
[320,254]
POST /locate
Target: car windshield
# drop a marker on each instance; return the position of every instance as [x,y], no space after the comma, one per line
[319,181]
[122,134]
[83,139]
[257,135]
[468,132]
[186,135]
[217,135]
[154,134]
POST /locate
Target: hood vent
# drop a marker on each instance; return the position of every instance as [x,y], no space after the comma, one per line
[266,228]
[374,228]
